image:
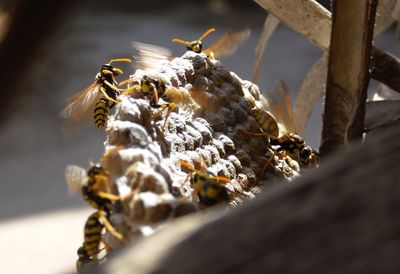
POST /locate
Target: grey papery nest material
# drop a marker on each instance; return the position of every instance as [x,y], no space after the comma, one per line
[143,157]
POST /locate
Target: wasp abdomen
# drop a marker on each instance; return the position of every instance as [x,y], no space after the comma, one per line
[265,121]
[101,113]
[92,240]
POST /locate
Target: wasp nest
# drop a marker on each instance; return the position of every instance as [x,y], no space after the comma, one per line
[212,105]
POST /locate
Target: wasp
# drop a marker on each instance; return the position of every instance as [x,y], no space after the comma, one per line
[98,98]
[224,46]
[93,184]
[279,126]
[264,118]
[96,191]
[88,252]
[149,58]
[206,186]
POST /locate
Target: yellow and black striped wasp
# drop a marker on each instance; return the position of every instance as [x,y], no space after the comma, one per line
[95,188]
[98,98]
[224,46]
[279,127]
[88,252]
[150,58]
[209,188]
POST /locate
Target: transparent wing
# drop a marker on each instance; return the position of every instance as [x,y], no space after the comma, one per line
[203,166]
[80,106]
[228,43]
[148,57]
[280,104]
[74,176]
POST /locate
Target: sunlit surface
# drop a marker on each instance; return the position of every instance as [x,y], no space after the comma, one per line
[42,243]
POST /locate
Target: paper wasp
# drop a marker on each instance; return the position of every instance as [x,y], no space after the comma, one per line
[98,98]
[149,58]
[95,189]
[207,187]
[88,252]
[279,126]
[224,46]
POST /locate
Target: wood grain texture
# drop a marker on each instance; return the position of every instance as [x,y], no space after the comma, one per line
[348,75]
[340,218]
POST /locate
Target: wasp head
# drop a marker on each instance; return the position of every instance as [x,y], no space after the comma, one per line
[96,169]
[195,46]
[109,69]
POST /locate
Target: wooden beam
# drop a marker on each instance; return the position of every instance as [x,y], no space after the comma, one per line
[348,76]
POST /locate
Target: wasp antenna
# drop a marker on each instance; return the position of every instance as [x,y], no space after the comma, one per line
[126,60]
[223,179]
[206,33]
[119,71]
[180,41]
[186,164]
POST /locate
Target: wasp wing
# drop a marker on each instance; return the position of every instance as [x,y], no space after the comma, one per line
[228,43]
[149,57]
[81,106]
[280,104]
[75,176]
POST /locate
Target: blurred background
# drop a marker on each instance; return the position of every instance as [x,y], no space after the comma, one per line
[55,51]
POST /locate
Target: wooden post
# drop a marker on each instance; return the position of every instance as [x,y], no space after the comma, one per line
[348,76]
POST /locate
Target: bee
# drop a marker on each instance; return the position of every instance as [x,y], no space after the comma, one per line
[279,126]
[149,58]
[207,187]
[98,98]
[224,46]
[96,191]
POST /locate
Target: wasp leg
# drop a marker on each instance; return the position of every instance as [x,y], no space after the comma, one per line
[108,226]
[186,179]
[102,90]
[109,196]
[113,197]
[267,163]
[170,106]
[126,82]
[154,97]
[111,86]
